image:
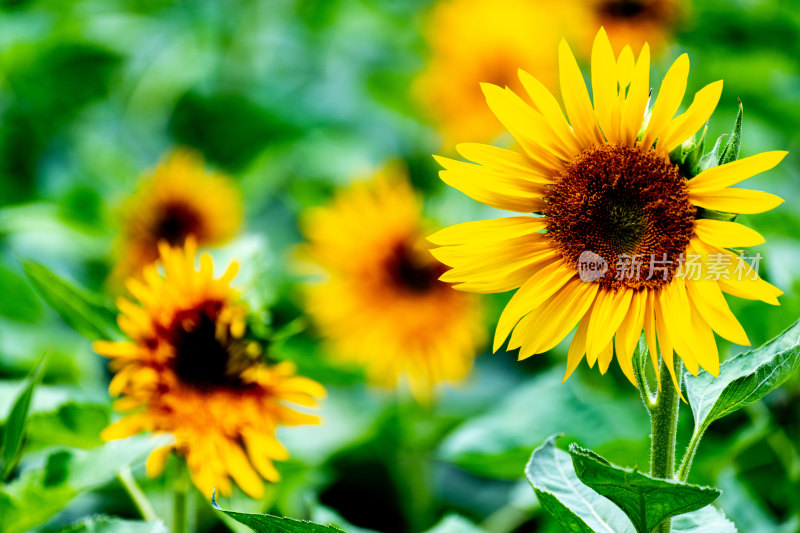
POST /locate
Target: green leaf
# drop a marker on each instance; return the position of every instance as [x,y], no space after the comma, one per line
[108,524]
[711,159]
[19,302]
[453,523]
[705,520]
[574,505]
[647,501]
[498,443]
[15,422]
[85,313]
[731,151]
[744,379]
[44,489]
[264,523]
[692,157]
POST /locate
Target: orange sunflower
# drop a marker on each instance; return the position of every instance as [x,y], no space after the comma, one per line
[635,22]
[180,198]
[605,192]
[474,41]
[191,371]
[380,303]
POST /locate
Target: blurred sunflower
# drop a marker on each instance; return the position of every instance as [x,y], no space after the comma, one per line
[634,22]
[381,305]
[605,185]
[180,198]
[190,371]
[474,41]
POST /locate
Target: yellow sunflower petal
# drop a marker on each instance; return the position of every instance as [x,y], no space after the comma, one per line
[532,294]
[720,177]
[650,331]
[605,357]
[707,297]
[744,201]
[664,339]
[527,126]
[604,86]
[576,98]
[548,106]
[577,347]
[726,234]
[638,95]
[688,123]
[546,326]
[668,101]
[629,332]
[502,161]
[492,189]
[607,314]
[702,339]
[488,231]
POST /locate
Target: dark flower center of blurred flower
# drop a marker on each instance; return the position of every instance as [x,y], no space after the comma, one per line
[628,206]
[413,270]
[176,222]
[206,358]
[624,8]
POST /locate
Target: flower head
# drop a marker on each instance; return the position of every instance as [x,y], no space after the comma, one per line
[474,41]
[381,304]
[618,220]
[190,370]
[179,199]
[635,22]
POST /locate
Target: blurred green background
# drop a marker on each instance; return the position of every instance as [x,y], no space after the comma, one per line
[293,99]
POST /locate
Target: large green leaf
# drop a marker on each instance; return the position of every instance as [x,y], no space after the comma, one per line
[264,523]
[14,428]
[497,444]
[744,379]
[574,505]
[108,524]
[85,313]
[647,501]
[43,490]
[705,520]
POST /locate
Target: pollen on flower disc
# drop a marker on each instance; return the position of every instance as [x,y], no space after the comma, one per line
[627,206]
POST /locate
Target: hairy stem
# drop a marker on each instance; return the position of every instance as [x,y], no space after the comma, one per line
[664,428]
[686,464]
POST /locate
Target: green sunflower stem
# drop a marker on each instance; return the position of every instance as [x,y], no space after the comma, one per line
[664,429]
[180,499]
[138,497]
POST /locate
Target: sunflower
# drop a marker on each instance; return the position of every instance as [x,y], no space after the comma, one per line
[381,304]
[180,198]
[635,21]
[189,370]
[474,41]
[607,191]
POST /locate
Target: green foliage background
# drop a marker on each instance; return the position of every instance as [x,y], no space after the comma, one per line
[292,99]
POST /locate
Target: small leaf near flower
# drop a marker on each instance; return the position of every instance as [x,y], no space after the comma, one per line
[264,523]
[744,379]
[647,501]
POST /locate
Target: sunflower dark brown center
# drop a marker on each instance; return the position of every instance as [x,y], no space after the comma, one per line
[412,271]
[176,222]
[627,206]
[201,359]
[624,9]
